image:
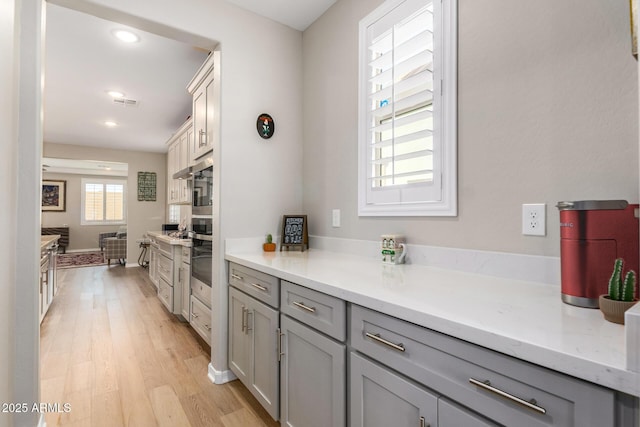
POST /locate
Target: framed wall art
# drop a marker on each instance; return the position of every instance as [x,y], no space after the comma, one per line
[146,186]
[54,195]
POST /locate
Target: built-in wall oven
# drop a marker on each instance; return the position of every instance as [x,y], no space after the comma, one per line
[202,175]
[201,250]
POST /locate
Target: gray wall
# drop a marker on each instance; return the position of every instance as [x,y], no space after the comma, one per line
[547,111]
[141,216]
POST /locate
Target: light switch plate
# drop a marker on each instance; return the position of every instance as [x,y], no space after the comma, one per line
[335,218]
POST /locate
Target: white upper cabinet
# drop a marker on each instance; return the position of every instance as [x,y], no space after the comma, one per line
[205,89]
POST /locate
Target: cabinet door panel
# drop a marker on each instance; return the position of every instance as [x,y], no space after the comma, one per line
[380,398]
[238,339]
[452,415]
[199,122]
[312,377]
[262,322]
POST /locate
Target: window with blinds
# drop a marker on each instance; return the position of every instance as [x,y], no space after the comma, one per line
[103,201]
[407,120]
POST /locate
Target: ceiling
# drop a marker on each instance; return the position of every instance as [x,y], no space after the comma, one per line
[83,61]
[84,167]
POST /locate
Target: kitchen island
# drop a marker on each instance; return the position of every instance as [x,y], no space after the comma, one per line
[522,320]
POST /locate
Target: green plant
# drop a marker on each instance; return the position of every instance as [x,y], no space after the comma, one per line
[269,238]
[622,290]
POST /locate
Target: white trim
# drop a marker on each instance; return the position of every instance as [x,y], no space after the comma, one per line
[446,31]
[41,421]
[220,377]
[103,181]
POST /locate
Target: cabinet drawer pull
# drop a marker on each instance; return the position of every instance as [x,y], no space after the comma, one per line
[244,322]
[260,287]
[235,276]
[531,404]
[376,337]
[200,135]
[423,422]
[194,315]
[208,327]
[304,307]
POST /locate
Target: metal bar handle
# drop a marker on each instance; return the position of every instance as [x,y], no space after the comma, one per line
[423,422]
[304,307]
[376,337]
[279,343]
[249,313]
[235,276]
[200,135]
[531,404]
[260,287]
[243,324]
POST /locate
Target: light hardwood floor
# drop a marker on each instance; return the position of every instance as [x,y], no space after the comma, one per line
[115,354]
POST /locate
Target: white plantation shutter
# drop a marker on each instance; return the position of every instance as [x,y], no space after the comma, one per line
[94,202]
[403,146]
[103,201]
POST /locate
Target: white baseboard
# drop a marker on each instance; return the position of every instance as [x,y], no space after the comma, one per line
[41,421]
[220,377]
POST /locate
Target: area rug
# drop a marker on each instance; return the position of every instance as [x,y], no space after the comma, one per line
[80,259]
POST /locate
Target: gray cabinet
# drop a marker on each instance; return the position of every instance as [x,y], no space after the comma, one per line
[503,389]
[312,377]
[380,398]
[452,415]
[253,353]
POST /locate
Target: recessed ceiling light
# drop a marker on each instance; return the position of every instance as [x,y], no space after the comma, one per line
[126,36]
[116,94]
[110,123]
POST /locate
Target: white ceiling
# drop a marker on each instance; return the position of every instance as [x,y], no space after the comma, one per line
[298,14]
[84,60]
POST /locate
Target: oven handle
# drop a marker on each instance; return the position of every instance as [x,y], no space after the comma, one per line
[207,237]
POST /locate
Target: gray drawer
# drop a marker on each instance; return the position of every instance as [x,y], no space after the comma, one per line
[186,254]
[450,366]
[201,319]
[165,248]
[165,293]
[202,292]
[320,311]
[259,285]
[165,268]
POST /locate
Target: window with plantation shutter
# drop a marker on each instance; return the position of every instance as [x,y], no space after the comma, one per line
[103,201]
[407,109]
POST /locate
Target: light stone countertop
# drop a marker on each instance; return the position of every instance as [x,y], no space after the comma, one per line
[163,236]
[521,319]
[48,240]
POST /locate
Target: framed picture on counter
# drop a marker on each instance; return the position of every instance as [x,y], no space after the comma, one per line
[54,195]
[294,232]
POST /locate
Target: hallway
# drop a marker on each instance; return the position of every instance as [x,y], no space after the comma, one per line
[110,350]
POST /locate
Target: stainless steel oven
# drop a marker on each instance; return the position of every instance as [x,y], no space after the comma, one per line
[201,250]
[202,175]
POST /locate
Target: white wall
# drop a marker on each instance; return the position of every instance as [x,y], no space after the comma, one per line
[8,160]
[261,72]
[141,216]
[547,111]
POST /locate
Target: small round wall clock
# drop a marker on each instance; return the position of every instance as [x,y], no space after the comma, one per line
[265,126]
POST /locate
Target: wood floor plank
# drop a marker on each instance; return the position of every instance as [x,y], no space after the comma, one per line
[111,350]
[106,410]
[168,408]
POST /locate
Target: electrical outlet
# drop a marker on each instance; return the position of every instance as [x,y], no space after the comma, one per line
[534,219]
[335,218]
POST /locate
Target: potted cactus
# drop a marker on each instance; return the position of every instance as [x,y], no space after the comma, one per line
[622,294]
[269,246]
